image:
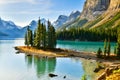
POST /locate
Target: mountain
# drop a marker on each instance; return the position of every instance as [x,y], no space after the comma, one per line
[73,16]
[97,14]
[62,19]
[9,28]
[33,25]
[93,8]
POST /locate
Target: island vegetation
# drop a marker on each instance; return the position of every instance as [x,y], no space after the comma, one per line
[44,36]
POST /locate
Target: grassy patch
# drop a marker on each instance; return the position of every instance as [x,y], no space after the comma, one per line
[111,22]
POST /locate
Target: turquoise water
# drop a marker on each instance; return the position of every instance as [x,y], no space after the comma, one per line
[83,46]
[21,67]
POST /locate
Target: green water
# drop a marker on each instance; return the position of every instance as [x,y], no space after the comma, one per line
[83,46]
[21,67]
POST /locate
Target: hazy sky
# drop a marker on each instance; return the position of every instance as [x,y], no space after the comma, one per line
[22,12]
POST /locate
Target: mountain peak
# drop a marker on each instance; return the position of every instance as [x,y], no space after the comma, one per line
[61,20]
[75,11]
[93,8]
[62,17]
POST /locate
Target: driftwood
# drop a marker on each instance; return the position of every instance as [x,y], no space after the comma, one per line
[107,72]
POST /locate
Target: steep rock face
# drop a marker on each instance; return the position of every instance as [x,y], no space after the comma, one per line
[93,8]
[114,4]
[60,21]
[110,13]
[64,20]
[73,16]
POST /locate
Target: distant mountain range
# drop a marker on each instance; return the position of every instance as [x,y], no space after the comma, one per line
[9,30]
[63,19]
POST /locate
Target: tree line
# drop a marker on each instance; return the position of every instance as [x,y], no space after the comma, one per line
[87,34]
[42,37]
[107,47]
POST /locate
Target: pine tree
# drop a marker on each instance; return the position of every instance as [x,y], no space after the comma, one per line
[44,37]
[105,47]
[51,36]
[108,48]
[34,38]
[99,55]
[118,49]
[37,38]
[118,43]
[41,38]
[26,41]
[31,37]
[28,37]
[115,50]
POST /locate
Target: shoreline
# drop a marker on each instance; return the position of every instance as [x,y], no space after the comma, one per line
[58,52]
[64,53]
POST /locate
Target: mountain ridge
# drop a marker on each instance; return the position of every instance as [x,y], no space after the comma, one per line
[66,19]
[96,14]
[9,29]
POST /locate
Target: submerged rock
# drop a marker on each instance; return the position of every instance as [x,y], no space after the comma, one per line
[64,77]
[52,75]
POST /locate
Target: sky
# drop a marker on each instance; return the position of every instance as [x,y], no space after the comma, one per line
[22,12]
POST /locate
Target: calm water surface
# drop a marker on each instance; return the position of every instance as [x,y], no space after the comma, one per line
[83,46]
[21,67]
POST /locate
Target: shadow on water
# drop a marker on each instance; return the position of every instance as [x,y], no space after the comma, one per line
[42,66]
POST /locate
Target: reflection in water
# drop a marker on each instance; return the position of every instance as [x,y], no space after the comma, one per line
[42,65]
[89,67]
[29,60]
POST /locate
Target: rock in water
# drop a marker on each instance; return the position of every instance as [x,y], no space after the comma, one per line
[52,75]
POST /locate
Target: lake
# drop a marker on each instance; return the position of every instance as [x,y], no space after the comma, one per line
[22,67]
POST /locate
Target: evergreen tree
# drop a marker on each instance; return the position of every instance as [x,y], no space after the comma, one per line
[37,38]
[118,43]
[34,38]
[31,37]
[28,37]
[26,41]
[115,50]
[54,37]
[44,37]
[99,55]
[105,47]
[51,36]
[108,48]
[118,49]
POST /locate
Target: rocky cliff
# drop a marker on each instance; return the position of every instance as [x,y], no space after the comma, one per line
[98,14]
[93,8]
[111,14]
[114,4]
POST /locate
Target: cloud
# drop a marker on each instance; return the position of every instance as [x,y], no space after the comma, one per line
[4,2]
